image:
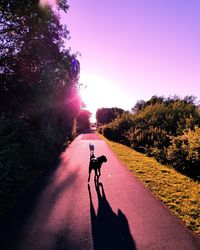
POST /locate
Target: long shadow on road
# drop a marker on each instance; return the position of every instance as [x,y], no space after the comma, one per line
[109,230]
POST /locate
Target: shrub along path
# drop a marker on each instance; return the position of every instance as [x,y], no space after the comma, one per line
[64,212]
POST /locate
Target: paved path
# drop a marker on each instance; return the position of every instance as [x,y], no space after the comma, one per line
[64,212]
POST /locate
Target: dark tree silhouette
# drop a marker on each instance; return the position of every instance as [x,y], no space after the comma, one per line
[39,99]
[83,120]
[106,115]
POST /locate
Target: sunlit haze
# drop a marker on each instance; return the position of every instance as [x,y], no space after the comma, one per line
[133,49]
[100,92]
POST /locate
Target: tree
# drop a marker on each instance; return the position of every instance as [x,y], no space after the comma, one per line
[38,75]
[39,99]
[141,104]
[83,120]
[35,60]
[106,115]
[167,129]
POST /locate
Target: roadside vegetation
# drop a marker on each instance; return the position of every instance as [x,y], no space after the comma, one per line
[167,129]
[39,101]
[159,141]
[178,192]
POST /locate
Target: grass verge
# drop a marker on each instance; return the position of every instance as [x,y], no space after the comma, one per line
[178,192]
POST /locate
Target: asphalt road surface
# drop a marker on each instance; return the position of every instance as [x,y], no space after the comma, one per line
[65,212]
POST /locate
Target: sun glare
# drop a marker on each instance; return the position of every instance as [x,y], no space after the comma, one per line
[98,92]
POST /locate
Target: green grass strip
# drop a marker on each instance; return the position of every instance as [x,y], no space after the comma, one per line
[178,192]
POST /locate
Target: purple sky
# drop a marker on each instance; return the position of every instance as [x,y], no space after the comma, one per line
[140,47]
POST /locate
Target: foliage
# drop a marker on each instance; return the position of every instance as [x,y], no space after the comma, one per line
[153,141]
[141,104]
[153,137]
[184,152]
[194,146]
[39,99]
[156,127]
[37,73]
[23,156]
[178,192]
[171,115]
[83,120]
[116,129]
[106,115]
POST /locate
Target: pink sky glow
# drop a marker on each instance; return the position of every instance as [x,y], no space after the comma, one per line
[133,49]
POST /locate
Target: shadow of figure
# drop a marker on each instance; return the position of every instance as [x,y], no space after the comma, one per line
[109,230]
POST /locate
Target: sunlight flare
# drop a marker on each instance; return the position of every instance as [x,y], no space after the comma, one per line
[98,92]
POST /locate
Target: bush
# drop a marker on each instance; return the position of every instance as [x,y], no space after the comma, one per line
[194,146]
[116,130]
[25,153]
[149,141]
[158,153]
[100,129]
[162,128]
[109,132]
[184,152]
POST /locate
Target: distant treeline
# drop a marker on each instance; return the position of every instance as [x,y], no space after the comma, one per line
[165,128]
[39,100]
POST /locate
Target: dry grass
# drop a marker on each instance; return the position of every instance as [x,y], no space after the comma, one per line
[178,192]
